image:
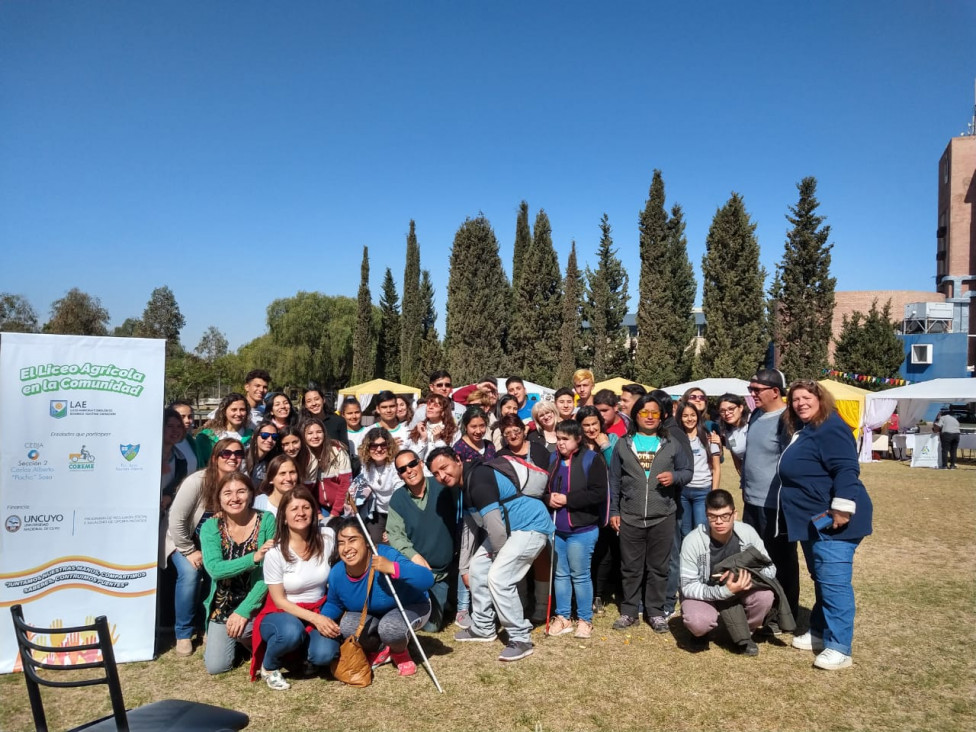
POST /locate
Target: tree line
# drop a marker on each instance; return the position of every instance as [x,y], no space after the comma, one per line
[545,321]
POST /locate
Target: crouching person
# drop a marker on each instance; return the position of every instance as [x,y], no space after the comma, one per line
[503,533]
[726,574]
[422,526]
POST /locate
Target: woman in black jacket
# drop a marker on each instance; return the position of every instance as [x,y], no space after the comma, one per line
[517,445]
[577,494]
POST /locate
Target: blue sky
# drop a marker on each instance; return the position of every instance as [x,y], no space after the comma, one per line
[242,151]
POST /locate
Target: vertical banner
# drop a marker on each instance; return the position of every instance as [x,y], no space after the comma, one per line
[80,457]
[926,451]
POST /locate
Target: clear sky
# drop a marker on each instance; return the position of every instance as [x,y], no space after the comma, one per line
[240,151]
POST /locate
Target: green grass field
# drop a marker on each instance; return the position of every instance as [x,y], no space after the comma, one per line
[914,650]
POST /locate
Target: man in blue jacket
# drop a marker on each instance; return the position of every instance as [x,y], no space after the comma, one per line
[503,533]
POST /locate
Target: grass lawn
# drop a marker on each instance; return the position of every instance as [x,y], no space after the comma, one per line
[914,650]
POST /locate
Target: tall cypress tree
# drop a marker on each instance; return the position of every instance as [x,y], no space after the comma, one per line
[680,327]
[803,291]
[523,240]
[412,315]
[732,296]
[537,313]
[388,347]
[652,363]
[605,309]
[477,303]
[362,348]
[431,351]
[569,331]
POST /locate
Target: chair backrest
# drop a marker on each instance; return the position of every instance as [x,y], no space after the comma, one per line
[75,640]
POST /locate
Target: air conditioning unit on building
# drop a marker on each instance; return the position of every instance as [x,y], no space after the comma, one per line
[922,353]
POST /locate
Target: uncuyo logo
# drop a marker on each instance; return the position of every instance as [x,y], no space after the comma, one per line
[12,523]
[81,460]
[129,452]
[59,408]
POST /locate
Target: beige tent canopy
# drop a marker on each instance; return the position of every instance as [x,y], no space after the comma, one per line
[376,386]
[616,385]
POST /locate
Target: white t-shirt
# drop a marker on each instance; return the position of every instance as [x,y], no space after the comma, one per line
[263,503]
[702,477]
[303,581]
[356,437]
[736,440]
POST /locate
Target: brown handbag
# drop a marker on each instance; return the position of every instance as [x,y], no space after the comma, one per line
[352,667]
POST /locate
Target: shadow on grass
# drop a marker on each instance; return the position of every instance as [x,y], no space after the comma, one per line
[433,646]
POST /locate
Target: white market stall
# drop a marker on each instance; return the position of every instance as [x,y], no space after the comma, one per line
[713,387]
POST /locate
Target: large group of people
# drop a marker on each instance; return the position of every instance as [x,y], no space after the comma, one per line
[288,528]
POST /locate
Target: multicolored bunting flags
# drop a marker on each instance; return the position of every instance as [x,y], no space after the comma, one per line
[864,378]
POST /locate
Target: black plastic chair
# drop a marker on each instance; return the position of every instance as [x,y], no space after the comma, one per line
[170,714]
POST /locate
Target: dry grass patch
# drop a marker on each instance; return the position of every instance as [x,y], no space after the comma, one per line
[915,580]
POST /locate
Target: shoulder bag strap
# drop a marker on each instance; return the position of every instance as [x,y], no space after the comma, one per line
[362,615]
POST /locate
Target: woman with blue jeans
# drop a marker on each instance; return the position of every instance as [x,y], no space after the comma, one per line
[705,458]
[577,493]
[827,510]
[182,545]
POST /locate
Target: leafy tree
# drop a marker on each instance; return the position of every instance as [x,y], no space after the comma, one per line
[431,351]
[187,376]
[523,241]
[212,345]
[410,320]
[130,328]
[605,309]
[77,313]
[570,345]
[16,314]
[679,325]
[388,346]
[537,312]
[162,319]
[732,295]
[803,291]
[363,344]
[477,303]
[869,344]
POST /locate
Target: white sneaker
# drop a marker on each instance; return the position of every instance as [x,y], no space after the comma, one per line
[831,660]
[274,679]
[808,642]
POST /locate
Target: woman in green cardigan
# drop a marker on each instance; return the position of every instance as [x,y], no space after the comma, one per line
[234,543]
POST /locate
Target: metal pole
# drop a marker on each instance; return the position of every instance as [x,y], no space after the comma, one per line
[396,597]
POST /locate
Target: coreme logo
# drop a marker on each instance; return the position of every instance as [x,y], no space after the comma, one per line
[129,452]
[12,524]
[59,408]
[81,460]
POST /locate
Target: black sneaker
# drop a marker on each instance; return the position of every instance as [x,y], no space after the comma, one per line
[659,624]
[598,606]
[624,622]
[748,648]
[516,650]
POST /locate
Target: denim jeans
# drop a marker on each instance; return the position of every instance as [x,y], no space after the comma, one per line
[831,564]
[463,595]
[573,555]
[284,634]
[221,650]
[494,583]
[186,596]
[693,509]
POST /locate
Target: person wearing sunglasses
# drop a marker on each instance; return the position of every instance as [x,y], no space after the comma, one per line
[378,479]
[710,593]
[182,545]
[262,448]
[422,525]
[768,437]
[647,469]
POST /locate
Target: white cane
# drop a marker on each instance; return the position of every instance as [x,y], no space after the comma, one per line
[396,597]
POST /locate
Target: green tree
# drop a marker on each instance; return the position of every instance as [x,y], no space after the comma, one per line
[363,344]
[570,342]
[213,345]
[187,377]
[605,309]
[77,313]
[412,315]
[431,350]
[732,296]
[388,345]
[870,345]
[678,324]
[477,303]
[16,314]
[130,328]
[162,319]
[523,241]
[537,312]
[803,291]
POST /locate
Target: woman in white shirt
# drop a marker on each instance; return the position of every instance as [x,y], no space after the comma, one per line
[296,571]
[281,479]
[705,454]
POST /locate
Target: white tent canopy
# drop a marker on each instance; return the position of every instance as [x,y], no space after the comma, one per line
[712,387]
[914,399]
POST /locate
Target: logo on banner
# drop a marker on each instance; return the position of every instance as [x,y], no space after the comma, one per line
[59,408]
[81,460]
[129,452]
[12,524]
[33,455]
